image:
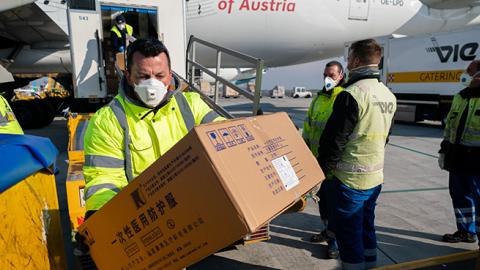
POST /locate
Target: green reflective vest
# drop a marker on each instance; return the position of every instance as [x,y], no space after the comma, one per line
[471,131]
[361,163]
[8,122]
[317,116]
[118,33]
[119,145]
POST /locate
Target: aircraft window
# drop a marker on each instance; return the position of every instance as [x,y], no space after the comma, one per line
[82,4]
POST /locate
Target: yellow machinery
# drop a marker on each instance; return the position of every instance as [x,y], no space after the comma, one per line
[77,125]
[31,234]
[37,107]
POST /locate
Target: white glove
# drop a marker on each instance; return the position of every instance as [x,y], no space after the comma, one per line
[131,38]
[441,161]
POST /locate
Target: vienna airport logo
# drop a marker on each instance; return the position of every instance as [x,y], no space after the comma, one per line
[465,52]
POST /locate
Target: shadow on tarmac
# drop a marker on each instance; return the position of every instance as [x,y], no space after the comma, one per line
[398,245]
[215,262]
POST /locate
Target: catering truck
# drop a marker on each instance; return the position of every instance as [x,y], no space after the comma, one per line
[424,71]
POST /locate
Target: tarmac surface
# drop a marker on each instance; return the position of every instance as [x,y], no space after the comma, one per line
[414,209]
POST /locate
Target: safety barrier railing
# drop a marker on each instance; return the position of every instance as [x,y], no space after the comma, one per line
[192,65]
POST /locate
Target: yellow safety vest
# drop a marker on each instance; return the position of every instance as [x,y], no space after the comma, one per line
[361,163]
[8,121]
[118,33]
[317,116]
[119,145]
[471,132]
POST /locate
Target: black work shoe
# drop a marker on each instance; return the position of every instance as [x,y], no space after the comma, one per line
[319,237]
[459,236]
[332,252]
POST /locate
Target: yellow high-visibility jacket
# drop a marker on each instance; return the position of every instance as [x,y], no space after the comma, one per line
[121,142]
[8,122]
[317,116]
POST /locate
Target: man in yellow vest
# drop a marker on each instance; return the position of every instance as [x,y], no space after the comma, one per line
[317,116]
[460,155]
[148,116]
[121,34]
[353,149]
[8,122]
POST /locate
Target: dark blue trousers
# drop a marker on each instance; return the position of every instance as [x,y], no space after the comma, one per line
[353,223]
[465,193]
[325,205]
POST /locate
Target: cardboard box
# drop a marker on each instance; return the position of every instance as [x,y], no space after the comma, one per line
[220,182]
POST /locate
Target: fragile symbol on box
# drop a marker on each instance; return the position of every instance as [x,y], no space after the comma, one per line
[216,140]
[246,132]
[227,137]
[237,135]
[286,172]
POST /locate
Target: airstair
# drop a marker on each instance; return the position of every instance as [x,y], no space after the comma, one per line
[193,65]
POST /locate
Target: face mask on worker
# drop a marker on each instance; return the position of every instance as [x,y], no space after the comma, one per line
[466,79]
[330,83]
[151,92]
[121,26]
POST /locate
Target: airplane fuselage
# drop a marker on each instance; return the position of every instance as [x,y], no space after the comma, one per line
[284,32]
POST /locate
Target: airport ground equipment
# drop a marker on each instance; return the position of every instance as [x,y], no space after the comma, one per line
[277,92]
[301,92]
[35,106]
[31,234]
[75,184]
[424,71]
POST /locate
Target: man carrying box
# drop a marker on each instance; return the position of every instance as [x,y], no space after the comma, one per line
[148,116]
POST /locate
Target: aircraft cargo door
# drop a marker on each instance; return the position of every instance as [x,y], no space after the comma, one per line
[85,33]
[359,10]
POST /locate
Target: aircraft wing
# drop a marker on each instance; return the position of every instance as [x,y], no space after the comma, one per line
[9,4]
[36,24]
[450,4]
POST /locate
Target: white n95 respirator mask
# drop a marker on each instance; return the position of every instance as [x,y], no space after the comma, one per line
[466,79]
[330,83]
[151,92]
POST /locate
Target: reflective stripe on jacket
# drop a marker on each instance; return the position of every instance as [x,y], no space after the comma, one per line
[119,145]
[470,135]
[361,163]
[8,121]
[317,116]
